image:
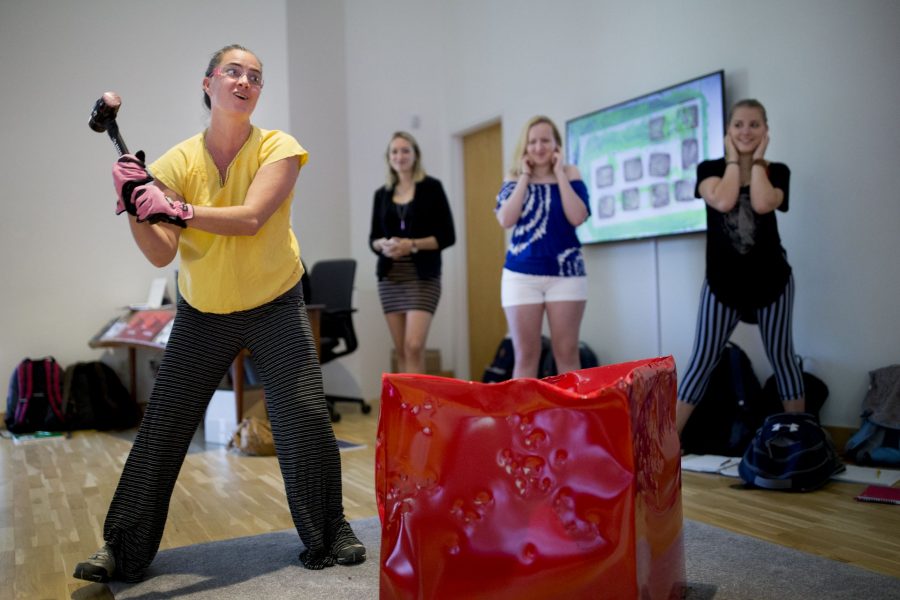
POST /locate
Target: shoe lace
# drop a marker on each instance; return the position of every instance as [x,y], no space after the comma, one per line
[103,554]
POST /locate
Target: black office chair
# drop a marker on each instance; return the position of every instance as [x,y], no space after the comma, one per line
[331,286]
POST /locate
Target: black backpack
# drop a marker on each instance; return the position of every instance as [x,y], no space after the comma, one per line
[790,452]
[95,398]
[815,395]
[34,396]
[501,368]
[731,410]
[586,357]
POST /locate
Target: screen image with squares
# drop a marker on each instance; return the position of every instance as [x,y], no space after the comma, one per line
[639,160]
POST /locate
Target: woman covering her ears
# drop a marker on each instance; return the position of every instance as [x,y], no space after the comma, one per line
[747,273]
[543,200]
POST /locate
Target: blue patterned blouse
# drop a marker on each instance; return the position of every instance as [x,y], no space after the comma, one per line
[543,241]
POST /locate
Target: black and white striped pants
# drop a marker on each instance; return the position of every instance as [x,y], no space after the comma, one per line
[200,350]
[715,324]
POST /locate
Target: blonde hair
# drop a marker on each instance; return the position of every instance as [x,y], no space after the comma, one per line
[418,170]
[748,103]
[515,168]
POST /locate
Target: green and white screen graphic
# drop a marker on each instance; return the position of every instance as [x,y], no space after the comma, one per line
[639,160]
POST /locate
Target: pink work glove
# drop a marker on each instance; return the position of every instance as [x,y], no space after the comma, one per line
[154,206]
[128,173]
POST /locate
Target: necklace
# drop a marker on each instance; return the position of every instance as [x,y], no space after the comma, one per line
[402,209]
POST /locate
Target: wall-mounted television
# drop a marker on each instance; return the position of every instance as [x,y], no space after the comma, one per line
[639,160]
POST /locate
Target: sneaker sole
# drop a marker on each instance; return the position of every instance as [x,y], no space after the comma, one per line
[89,575]
[355,556]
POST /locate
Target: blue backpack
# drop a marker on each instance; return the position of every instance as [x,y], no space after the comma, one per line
[790,452]
[877,442]
[874,445]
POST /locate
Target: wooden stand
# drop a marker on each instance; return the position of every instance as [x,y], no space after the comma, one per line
[128,331]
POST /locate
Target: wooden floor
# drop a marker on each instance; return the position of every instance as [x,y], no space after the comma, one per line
[55,495]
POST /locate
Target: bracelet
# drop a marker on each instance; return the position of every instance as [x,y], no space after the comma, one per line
[731,162]
[760,162]
[414,248]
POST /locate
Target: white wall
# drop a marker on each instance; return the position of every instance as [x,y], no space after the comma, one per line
[342,76]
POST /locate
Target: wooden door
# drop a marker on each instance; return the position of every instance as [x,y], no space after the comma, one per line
[485,245]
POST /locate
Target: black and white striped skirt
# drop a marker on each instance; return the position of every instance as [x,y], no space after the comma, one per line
[402,290]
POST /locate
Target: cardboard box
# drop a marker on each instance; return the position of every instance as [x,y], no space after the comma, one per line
[220,421]
[432,361]
[255,404]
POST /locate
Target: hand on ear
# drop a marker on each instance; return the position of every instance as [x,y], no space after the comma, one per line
[760,151]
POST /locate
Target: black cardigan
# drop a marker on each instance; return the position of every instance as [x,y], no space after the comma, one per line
[428,214]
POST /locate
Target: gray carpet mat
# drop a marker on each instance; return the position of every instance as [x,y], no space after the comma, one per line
[720,565]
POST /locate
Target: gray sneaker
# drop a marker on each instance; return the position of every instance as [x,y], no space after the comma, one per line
[99,567]
[346,548]
[350,554]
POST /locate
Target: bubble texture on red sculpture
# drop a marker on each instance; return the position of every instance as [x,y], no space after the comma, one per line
[565,487]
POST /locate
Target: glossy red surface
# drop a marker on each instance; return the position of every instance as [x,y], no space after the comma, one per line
[567,487]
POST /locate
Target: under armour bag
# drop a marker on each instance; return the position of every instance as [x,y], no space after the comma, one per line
[731,410]
[790,452]
[34,397]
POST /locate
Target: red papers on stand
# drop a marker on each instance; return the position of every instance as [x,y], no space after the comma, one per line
[143,328]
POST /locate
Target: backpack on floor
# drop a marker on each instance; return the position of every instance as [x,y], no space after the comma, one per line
[877,443]
[501,368]
[815,395]
[874,445]
[95,398]
[34,397]
[790,452]
[731,410]
[586,356]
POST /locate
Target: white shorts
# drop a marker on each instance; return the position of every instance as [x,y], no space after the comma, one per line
[521,288]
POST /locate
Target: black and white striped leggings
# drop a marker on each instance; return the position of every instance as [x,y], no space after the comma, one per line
[200,350]
[715,324]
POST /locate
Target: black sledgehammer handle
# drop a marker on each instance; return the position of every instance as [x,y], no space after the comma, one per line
[103,118]
[113,131]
